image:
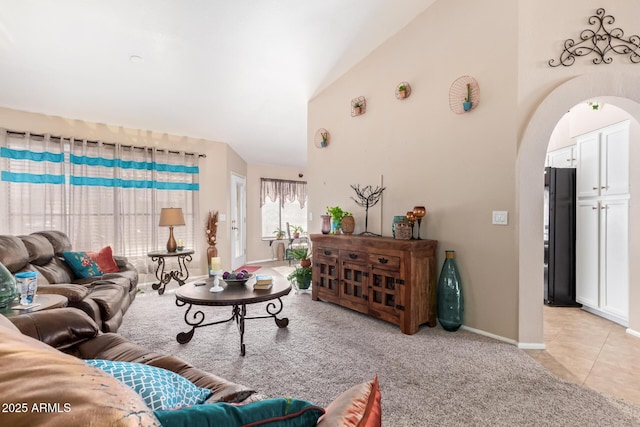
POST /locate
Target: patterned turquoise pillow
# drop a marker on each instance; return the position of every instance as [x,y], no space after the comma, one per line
[82,264]
[161,389]
[271,412]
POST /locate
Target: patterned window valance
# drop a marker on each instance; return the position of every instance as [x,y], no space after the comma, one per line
[283,191]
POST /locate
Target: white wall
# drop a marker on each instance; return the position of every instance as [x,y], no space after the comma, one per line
[460,166]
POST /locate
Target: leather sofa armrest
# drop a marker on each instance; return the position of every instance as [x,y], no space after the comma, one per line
[74,293]
[60,327]
[121,261]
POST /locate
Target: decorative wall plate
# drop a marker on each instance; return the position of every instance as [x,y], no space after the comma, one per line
[321,138]
[403,94]
[358,106]
[458,92]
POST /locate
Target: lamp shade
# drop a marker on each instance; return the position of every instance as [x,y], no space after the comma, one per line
[170,217]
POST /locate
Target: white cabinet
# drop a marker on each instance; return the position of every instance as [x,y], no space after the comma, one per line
[602,222]
[603,162]
[614,258]
[602,256]
[588,253]
[562,158]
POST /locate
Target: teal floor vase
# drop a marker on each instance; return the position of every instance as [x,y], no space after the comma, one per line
[449,295]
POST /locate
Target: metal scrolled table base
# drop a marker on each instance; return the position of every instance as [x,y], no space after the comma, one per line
[180,275]
[238,313]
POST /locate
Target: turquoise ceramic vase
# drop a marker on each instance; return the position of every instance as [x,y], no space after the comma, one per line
[449,295]
[8,289]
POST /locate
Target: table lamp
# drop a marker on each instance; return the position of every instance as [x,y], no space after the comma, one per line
[169,217]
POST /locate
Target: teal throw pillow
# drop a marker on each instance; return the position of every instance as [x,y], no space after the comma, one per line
[160,388]
[82,264]
[270,413]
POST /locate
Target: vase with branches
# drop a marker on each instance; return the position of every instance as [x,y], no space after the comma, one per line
[211,231]
[367,197]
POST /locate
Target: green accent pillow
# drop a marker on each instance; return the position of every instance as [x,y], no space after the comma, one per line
[82,264]
[271,413]
[160,388]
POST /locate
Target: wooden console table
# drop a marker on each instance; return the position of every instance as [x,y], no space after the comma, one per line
[392,280]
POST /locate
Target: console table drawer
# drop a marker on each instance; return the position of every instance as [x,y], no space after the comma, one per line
[384,262]
[347,255]
[327,252]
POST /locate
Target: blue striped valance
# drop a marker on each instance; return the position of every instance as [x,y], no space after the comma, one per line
[132,183]
[32,178]
[35,156]
[129,164]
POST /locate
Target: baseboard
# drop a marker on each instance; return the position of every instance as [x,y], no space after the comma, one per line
[633,333]
[489,334]
[616,319]
[531,346]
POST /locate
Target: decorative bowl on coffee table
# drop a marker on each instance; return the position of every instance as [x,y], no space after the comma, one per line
[238,282]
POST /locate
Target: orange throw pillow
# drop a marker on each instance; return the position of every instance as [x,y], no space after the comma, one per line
[105,260]
[359,406]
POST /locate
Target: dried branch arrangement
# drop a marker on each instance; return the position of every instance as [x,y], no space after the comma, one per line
[367,197]
[211,227]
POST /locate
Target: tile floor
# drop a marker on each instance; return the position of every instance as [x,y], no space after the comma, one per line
[591,351]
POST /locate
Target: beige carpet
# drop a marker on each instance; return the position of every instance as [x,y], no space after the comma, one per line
[430,378]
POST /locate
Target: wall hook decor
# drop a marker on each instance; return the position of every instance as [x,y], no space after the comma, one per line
[464,94]
[403,90]
[358,106]
[321,139]
[600,42]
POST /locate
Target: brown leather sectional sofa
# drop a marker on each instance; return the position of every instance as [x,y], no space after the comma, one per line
[45,382]
[105,298]
[41,370]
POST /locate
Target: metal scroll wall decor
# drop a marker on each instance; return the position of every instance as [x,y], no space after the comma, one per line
[601,42]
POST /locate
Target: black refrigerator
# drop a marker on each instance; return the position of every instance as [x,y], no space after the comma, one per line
[560,237]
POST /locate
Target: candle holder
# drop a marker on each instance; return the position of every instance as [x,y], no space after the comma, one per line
[412,219]
[216,281]
[419,212]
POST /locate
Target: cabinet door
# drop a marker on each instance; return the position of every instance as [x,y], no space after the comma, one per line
[385,296]
[562,158]
[614,164]
[353,278]
[614,275]
[588,173]
[587,253]
[325,273]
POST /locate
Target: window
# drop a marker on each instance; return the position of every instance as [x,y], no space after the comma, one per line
[282,202]
[97,193]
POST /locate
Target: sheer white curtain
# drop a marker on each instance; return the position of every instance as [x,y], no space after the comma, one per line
[32,183]
[98,193]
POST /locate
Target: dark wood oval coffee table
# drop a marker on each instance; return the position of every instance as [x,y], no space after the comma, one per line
[236,296]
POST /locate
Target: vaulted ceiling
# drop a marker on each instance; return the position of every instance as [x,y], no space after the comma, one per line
[235,71]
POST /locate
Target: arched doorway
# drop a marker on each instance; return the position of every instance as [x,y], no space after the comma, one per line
[621,89]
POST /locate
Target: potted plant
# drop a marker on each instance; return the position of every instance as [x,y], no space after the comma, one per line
[357,108]
[402,91]
[467,99]
[297,229]
[280,233]
[325,138]
[337,214]
[302,255]
[300,277]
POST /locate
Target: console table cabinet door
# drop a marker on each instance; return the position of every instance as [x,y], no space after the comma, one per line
[325,273]
[353,285]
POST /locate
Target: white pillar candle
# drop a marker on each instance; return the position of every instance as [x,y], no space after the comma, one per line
[216,265]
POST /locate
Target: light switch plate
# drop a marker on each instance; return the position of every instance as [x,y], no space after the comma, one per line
[500,217]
